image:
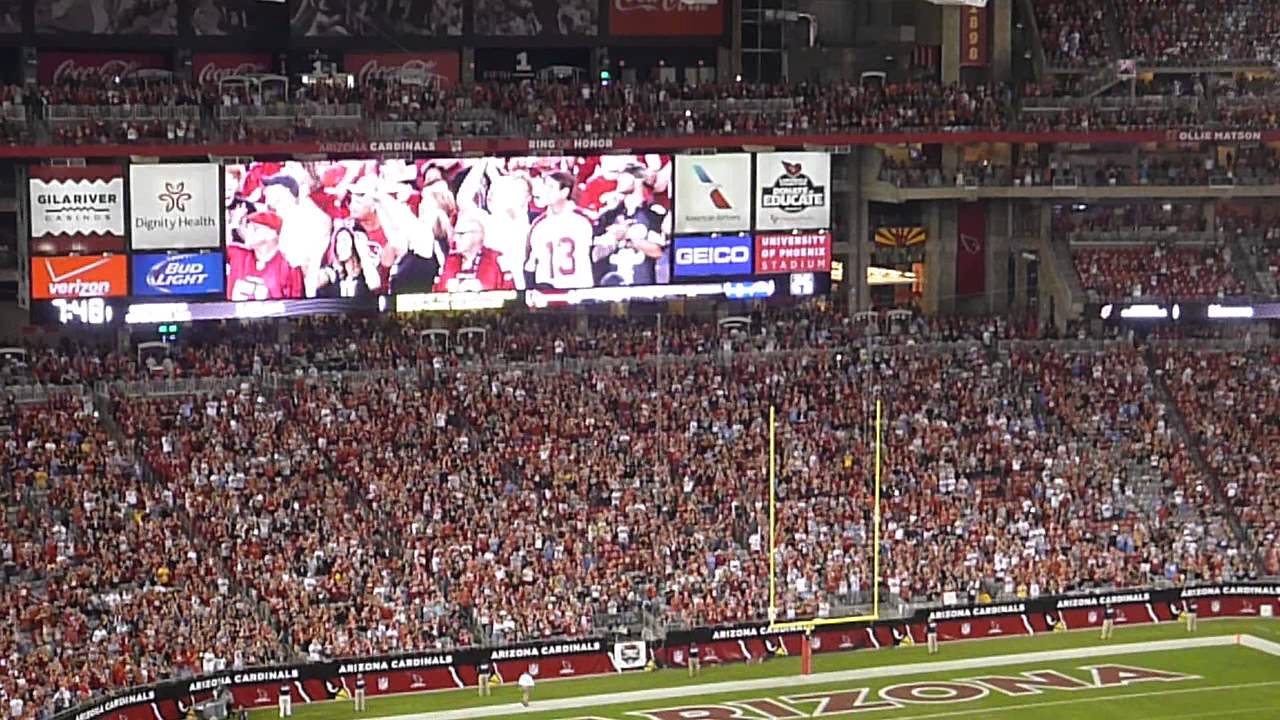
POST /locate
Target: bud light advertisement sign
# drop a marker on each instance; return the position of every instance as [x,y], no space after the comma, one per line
[159,275]
[700,256]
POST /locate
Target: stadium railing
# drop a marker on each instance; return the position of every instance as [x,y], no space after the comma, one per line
[258,687]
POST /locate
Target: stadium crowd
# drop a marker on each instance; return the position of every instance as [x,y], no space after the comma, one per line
[537,483]
[91,110]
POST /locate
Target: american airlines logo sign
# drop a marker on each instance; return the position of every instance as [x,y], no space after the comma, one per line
[77,207]
[713,193]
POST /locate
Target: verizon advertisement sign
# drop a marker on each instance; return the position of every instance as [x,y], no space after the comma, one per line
[793,252]
[175,206]
[65,278]
[76,209]
[665,17]
[440,68]
[793,191]
[713,193]
[213,68]
[60,67]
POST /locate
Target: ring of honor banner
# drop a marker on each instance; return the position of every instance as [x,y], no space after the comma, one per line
[793,191]
[713,193]
[973,37]
[662,18]
[446,670]
[971,250]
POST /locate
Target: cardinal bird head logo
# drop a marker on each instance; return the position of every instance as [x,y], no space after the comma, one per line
[792,169]
[174,197]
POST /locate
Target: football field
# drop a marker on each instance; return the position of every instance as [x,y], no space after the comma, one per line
[1229,669]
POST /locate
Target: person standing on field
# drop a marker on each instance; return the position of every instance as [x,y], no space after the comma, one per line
[695,660]
[484,672]
[286,700]
[360,692]
[1193,607]
[932,636]
[1108,621]
[526,687]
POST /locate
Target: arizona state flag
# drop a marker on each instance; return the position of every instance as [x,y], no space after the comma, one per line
[343,694]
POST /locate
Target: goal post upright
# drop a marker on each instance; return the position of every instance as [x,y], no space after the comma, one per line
[810,624]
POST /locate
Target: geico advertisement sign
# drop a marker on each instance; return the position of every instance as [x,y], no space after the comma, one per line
[793,191]
[79,277]
[77,207]
[185,274]
[713,193]
[704,256]
[175,206]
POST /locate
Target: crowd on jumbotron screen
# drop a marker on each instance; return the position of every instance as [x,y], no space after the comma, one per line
[355,228]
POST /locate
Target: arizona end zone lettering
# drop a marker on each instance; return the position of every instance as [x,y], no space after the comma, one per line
[927,692]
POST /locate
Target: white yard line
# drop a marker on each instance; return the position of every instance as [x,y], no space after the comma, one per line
[640,696]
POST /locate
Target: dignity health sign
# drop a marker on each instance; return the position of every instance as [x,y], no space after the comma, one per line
[175,206]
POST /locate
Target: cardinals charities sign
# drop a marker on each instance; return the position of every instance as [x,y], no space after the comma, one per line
[793,191]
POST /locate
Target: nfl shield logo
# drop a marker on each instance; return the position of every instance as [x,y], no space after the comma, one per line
[965,629]
[1093,616]
[534,669]
[383,684]
[1215,606]
[677,657]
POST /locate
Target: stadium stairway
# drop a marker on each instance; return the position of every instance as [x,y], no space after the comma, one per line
[1243,268]
[1250,254]
[1179,425]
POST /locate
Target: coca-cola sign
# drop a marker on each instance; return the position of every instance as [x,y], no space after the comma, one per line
[436,67]
[665,17]
[212,68]
[90,67]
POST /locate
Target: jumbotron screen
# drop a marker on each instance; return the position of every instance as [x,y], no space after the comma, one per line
[355,228]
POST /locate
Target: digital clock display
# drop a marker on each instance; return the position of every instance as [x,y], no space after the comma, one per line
[88,311]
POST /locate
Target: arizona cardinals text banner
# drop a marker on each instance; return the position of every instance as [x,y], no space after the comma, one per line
[76,209]
[793,253]
[175,206]
[79,276]
[793,191]
[713,193]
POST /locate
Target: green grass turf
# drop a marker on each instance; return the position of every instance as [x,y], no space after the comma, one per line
[1216,666]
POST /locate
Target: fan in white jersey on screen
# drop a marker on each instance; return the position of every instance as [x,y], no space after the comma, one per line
[630,233]
[560,239]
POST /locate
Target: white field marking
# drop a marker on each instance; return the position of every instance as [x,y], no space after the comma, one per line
[737,686]
[1257,643]
[1105,698]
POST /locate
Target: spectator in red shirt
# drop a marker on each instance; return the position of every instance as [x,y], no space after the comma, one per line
[255,269]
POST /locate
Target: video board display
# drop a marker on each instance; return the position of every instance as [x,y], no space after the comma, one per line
[353,228]
[76,210]
[160,275]
[79,276]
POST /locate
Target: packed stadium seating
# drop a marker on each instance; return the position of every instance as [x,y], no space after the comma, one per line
[279,519]
[173,111]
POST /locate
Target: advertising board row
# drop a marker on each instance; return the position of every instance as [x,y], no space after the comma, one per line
[449,670]
[298,230]
[792,191]
[170,206]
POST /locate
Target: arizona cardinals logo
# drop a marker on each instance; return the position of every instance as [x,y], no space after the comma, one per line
[793,169]
[332,688]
